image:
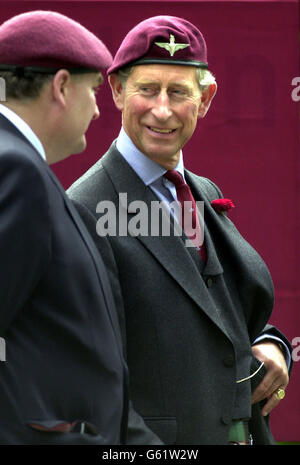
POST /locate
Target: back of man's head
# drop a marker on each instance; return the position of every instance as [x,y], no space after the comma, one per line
[35,45]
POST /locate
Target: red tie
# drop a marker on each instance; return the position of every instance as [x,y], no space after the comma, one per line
[184,194]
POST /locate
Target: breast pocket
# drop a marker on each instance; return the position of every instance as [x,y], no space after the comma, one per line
[64,433]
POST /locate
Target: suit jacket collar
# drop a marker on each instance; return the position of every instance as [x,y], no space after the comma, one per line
[179,264]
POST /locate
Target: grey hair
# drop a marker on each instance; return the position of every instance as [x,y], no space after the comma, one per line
[204,76]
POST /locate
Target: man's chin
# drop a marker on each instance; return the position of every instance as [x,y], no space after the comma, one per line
[81,146]
[165,157]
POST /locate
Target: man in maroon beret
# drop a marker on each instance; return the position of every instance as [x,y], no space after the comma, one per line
[64,378]
[205,368]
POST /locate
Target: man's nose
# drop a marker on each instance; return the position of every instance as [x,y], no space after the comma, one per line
[96,113]
[161,109]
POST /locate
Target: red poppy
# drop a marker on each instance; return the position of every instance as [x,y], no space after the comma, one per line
[222,205]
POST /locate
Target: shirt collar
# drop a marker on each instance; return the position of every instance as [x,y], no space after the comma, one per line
[148,170]
[24,128]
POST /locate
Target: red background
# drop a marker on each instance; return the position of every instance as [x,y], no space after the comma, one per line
[249,141]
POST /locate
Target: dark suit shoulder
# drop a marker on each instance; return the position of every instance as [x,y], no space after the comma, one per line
[88,184]
[94,185]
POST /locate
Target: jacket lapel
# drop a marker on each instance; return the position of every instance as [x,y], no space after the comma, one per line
[171,251]
[213,266]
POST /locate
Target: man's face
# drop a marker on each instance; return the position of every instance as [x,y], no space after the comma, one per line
[160,106]
[81,110]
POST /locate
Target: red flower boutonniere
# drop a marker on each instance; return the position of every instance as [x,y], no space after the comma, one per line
[222,205]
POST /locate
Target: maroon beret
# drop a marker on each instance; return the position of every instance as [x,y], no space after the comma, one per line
[162,39]
[46,41]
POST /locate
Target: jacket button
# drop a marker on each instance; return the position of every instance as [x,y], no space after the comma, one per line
[209,282]
[228,361]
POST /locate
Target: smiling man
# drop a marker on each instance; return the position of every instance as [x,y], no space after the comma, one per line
[191,317]
[64,377]
[160,108]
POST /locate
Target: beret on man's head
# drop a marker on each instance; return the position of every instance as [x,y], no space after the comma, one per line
[162,39]
[46,40]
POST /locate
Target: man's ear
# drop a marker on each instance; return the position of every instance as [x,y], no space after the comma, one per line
[117,90]
[206,99]
[61,86]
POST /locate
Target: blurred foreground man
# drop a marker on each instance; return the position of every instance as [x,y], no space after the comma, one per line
[64,378]
[190,314]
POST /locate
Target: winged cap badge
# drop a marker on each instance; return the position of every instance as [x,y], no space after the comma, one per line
[172,47]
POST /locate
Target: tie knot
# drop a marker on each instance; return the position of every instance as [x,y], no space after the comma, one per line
[174,177]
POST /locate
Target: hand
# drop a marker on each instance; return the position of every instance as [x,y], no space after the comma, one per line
[276,376]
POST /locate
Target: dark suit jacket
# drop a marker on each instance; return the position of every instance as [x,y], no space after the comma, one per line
[179,352]
[64,366]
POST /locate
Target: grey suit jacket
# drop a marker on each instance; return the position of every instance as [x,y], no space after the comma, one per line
[179,351]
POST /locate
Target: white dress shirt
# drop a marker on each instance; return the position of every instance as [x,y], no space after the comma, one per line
[24,128]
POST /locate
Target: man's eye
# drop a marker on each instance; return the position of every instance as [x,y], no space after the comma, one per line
[179,92]
[147,90]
